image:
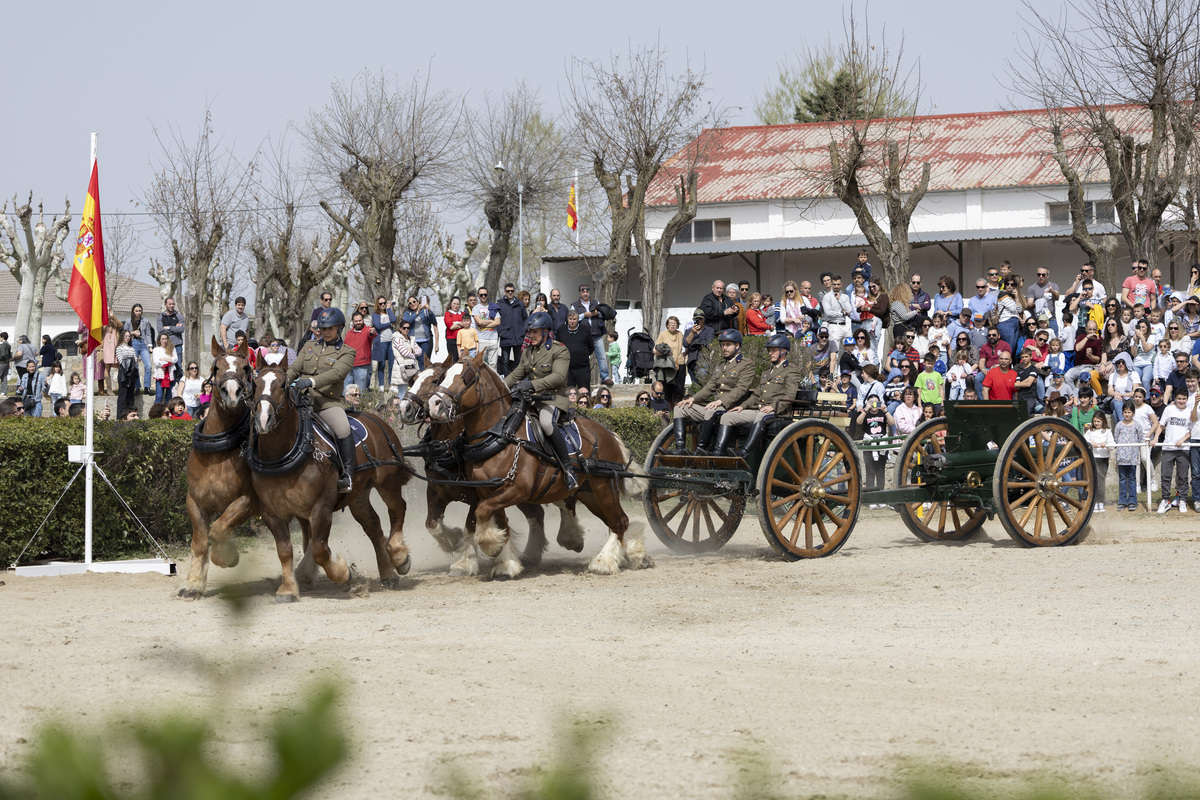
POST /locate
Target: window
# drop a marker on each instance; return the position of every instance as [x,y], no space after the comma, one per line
[1094,211]
[704,230]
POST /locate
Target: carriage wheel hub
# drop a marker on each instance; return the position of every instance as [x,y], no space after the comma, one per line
[1048,484]
[811,492]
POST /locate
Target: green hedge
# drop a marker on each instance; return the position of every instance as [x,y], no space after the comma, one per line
[146,461]
[637,427]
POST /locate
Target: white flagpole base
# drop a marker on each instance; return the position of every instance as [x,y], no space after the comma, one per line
[132,566]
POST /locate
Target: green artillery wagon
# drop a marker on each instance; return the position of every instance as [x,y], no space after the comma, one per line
[983,459]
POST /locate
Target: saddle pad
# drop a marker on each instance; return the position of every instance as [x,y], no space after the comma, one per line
[533,432]
[357,430]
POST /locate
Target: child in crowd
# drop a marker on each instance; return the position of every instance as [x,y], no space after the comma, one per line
[893,391]
[931,383]
[177,409]
[939,360]
[1099,438]
[1175,428]
[875,422]
[77,390]
[58,383]
[1127,431]
[614,356]
[938,334]
[468,342]
[960,375]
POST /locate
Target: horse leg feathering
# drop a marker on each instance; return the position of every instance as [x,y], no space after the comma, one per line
[607,561]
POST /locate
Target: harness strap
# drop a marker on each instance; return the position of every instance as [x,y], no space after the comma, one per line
[227,439]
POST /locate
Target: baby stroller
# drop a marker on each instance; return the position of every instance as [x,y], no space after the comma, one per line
[640,360]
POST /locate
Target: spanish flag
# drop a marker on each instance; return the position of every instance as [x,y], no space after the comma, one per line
[87,294]
[572,211]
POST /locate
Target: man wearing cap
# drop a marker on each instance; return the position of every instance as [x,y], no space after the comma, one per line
[824,352]
[984,302]
[729,386]
[960,324]
[774,395]
[543,369]
[1057,384]
[836,310]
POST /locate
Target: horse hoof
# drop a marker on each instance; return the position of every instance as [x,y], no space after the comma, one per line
[391,583]
[286,598]
[646,562]
[359,589]
[188,593]
[406,566]
[226,555]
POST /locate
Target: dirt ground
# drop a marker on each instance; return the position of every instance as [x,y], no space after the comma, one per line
[1082,660]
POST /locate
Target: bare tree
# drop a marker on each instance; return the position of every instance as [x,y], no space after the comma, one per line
[372,142]
[1186,242]
[1121,82]
[631,114]
[511,145]
[196,201]
[290,262]
[652,255]
[876,159]
[463,280]
[122,247]
[419,260]
[33,255]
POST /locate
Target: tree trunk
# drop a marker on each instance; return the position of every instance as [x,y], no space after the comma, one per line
[652,258]
[625,210]
[501,225]
[1099,249]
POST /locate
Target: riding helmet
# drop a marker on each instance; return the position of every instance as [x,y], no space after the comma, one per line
[331,318]
[780,340]
[730,336]
[538,320]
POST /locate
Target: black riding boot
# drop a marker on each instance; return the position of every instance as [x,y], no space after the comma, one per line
[724,434]
[559,445]
[680,433]
[706,433]
[753,438]
[345,447]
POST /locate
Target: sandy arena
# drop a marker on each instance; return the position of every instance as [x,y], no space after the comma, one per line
[1082,660]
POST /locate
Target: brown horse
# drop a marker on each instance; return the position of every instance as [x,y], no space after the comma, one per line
[472,393]
[219,483]
[414,410]
[294,484]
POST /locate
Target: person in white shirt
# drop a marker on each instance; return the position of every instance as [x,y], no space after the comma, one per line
[1175,428]
[836,310]
[1088,272]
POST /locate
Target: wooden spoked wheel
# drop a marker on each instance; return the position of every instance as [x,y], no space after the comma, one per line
[932,522]
[691,518]
[1044,483]
[809,483]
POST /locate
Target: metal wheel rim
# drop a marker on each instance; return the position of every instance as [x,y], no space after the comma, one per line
[965,521]
[809,488]
[698,509]
[1033,478]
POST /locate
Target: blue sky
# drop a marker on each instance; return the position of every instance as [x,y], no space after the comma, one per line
[130,66]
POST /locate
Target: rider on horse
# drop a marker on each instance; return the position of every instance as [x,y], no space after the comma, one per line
[729,385]
[774,396]
[542,368]
[320,371]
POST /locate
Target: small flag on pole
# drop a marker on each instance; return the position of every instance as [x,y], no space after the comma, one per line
[87,294]
[572,211]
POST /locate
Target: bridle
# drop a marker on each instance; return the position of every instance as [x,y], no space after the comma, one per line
[453,401]
[289,401]
[244,379]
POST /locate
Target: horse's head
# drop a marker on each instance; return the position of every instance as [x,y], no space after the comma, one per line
[414,405]
[458,391]
[271,395]
[232,378]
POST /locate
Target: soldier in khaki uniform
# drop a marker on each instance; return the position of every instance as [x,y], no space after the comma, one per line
[543,368]
[728,387]
[320,369]
[775,393]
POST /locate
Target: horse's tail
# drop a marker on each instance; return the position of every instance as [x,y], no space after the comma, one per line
[632,486]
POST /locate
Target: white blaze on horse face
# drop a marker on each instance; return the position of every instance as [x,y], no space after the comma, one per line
[232,385]
[420,381]
[264,407]
[435,406]
[451,374]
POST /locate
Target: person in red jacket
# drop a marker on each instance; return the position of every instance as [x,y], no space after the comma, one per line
[360,337]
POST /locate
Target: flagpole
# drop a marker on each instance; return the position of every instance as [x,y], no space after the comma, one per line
[89,423]
[577,209]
